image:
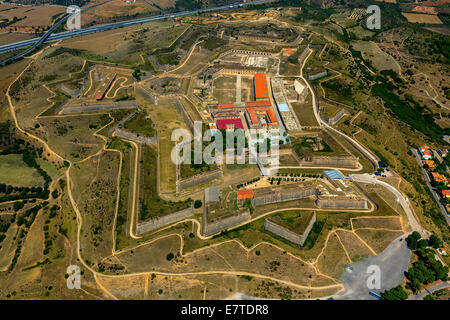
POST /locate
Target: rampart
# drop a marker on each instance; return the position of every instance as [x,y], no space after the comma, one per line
[273,195]
[159,222]
[325,202]
[182,184]
[331,161]
[223,223]
[151,141]
[287,234]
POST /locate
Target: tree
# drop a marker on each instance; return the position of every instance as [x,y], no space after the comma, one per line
[412,240]
[434,242]
[422,243]
[55,194]
[170,256]
[197,204]
[18,205]
[396,293]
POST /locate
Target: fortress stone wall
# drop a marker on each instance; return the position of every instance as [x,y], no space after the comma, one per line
[186,117]
[159,222]
[342,203]
[282,194]
[182,184]
[338,116]
[317,75]
[247,52]
[223,223]
[331,161]
[287,234]
[123,133]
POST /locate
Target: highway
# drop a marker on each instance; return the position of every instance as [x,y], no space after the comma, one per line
[48,37]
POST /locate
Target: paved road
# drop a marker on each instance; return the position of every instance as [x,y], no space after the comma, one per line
[315,102]
[76,33]
[393,263]
[433,191]
[404,202]
[427,291]
[37,41]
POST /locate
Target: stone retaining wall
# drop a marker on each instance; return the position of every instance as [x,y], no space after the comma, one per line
[159,222]
[287,234]
[224,223]
[198,179]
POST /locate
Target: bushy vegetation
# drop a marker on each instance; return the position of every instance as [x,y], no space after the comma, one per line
[426,269]
[396,293]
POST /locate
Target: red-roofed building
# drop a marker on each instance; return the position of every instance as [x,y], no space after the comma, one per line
[233,123]
[261,117]
[263,103]
[244,194]
[261,89]
[288,51]
[425,152]
[446,193]
[225,105]
[439,177]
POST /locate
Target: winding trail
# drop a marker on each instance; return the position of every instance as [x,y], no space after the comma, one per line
[79,218]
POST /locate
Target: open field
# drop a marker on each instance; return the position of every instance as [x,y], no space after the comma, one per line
[8,248]
[166,118]
[381,60]
[422,18]
[126,45]
[8,37]
[95,189]
[116,9]
[305,113]
[73,136]
[15,172]
[30,16]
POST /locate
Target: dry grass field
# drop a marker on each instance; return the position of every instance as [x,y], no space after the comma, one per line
[422,18]
[115,9]
[380,60]
[38,16]
[10,37]
[15,172]
[95,189]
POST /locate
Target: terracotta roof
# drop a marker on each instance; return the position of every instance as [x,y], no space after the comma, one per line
[264,103]
[261,89]
[225,105]
[272,119]
[439,177]
[244,194]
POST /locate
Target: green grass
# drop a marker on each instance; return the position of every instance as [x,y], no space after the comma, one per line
[151,204]
[13,171]
[141,124]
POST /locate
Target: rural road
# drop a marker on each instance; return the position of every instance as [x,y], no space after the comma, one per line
[433,191]
[427,291]
[404,202]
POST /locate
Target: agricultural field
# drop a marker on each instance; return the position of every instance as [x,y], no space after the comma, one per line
[422,18]
[30,18]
